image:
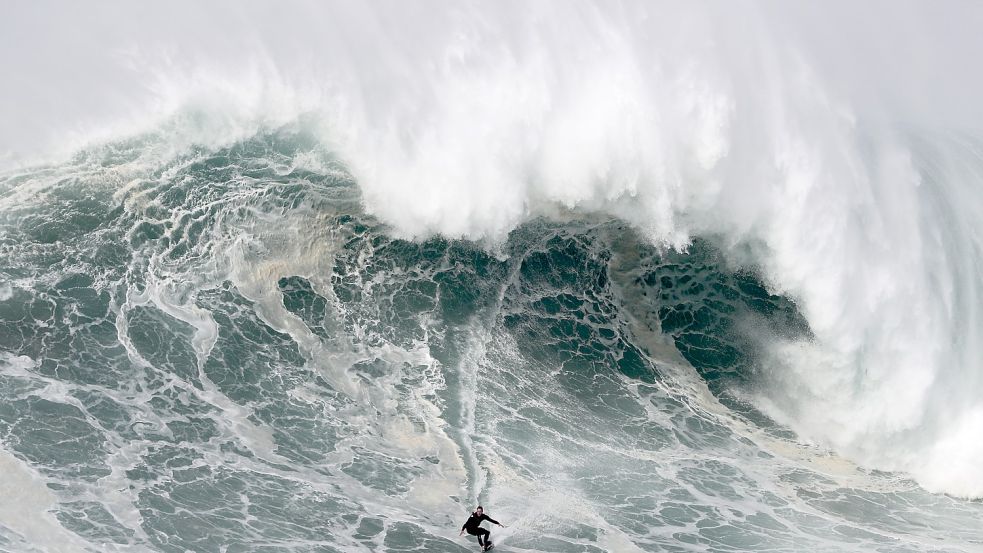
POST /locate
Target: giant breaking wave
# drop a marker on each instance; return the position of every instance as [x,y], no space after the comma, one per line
[836,181]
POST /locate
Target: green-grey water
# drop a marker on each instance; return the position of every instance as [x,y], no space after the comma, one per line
[222,351]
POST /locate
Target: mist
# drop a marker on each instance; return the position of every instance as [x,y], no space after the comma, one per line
[843,141]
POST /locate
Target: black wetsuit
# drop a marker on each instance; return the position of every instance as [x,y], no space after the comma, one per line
[473,527]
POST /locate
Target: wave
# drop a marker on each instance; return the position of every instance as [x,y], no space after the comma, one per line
[815,163]
[228,342]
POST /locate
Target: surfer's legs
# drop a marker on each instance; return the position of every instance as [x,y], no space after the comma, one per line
[482,537]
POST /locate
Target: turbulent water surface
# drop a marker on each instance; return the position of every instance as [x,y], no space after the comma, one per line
[626,279]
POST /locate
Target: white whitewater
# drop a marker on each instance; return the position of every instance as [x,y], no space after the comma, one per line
[838,147]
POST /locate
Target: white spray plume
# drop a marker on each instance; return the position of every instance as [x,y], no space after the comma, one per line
[842,140]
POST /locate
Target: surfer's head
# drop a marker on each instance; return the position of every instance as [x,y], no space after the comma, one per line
[479,510]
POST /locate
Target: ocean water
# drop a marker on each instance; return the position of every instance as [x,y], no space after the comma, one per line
[630,280]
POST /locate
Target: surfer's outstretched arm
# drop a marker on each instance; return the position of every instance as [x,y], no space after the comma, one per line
[493,521]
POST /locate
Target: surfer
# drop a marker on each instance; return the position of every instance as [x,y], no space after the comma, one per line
[473,526]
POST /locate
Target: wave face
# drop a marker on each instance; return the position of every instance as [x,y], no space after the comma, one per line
[640,276]
[225,351]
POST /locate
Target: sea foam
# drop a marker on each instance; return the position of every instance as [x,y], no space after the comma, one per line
[790,134]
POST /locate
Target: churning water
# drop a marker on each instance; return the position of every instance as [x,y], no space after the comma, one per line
[637,277]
